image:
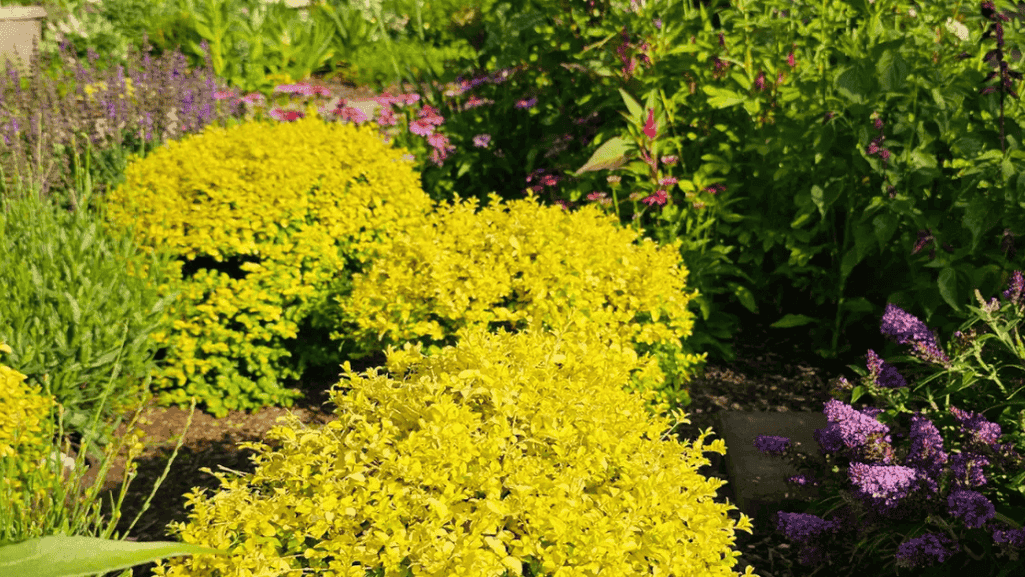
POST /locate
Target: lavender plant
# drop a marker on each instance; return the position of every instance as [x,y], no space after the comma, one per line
[936,479]
[48,139]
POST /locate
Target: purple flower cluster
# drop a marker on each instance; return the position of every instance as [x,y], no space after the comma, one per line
[926,452]
[1013,537]
[976,427]
[927,482]
[926,550]
[884,374]
[772,445]
[1015,292]
[967,469]
[970,506]
[803,527]
[883,486]
[854,430]
[906,328]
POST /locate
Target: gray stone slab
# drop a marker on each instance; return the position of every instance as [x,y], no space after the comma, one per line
[759,481]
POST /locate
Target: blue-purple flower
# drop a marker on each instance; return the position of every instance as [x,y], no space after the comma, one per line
[975,426]
[884,485]
[771,444]
[967,469]
[1013,537]
[926,451]
[851,428]
[803,527]
[884,374]
[1016,289]
[926,550]
[970,506]
[905,328]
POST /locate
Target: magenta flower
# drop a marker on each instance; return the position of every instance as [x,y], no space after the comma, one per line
[660,198]
[650,128]
[482,140]
[526,103]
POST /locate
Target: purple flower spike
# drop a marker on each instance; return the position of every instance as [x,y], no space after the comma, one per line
[884,374]
[977,427]
[772,445]
[926,447]
[972,507]
[1013,537]
[883,485]
[849,428]
[803,527]
[1015,289]
[967,470]
[905,328]
[925,550]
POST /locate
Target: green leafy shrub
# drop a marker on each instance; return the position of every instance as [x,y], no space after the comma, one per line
[523,264]
[265,219]
[502,453]
[70,301]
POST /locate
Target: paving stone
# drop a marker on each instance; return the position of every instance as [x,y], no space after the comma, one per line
[758,481]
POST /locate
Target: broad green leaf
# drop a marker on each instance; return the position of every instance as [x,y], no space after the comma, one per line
[789,321]
[720,97]
[850,260]
[857,392]
[63,556]
[884,225]
[852,84]
[635,109]
[893,71]
[948,287]
[976,218]
[610,155]
[745,296]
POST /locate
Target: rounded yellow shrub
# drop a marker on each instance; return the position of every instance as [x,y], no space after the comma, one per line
[266,217]
[24,426]
[521,264]
[506,453]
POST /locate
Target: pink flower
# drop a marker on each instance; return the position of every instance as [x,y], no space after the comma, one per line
[650,128]
[660,197]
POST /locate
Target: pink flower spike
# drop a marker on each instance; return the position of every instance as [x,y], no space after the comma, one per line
[650,129]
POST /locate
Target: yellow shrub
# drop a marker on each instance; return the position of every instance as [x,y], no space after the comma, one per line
[27,410]
[269,215]
[523,265]
[505,452]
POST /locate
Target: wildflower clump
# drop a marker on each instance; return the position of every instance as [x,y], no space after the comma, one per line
[523,265]
[267,218]
[508,453]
